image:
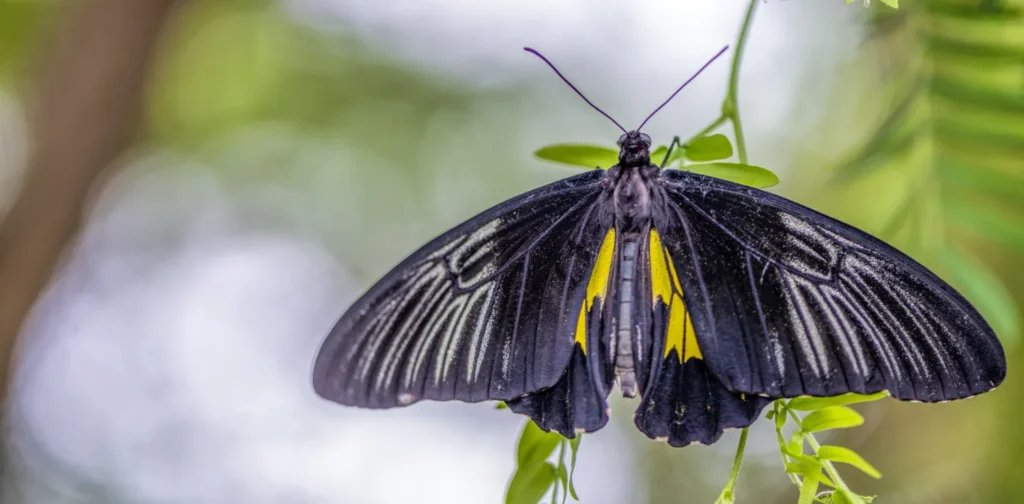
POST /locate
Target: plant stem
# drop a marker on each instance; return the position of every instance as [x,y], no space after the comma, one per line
[730,107]
[708,129]
[779,410]
[558,477]
[829,468]
[736,462]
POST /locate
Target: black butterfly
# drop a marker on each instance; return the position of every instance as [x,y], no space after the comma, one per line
[705,297]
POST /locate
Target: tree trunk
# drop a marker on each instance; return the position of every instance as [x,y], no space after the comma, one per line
[86,111]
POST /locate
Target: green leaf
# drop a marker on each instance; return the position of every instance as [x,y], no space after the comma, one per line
[658,155]
[805,466]
[709,148]
[535,445]
[588,156]
[574,446]
[501,405]
[808,490]
[848,456]
[753,176]
[530,483]
[808,467]
[795,448]
[830,497]
[816,403]
[981,285]
[842,496]
[794,468]
[780,415]
[831,417]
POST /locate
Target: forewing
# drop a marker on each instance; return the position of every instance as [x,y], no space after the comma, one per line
[485,311]
[786,301]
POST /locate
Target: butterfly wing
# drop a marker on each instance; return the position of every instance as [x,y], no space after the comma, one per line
[577,402]
[485,311]
[786,301]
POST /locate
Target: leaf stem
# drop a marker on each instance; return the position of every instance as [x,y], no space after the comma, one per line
[829,468]
[730,108]
[730,105]
[728,492]
[780,410]
[708,129]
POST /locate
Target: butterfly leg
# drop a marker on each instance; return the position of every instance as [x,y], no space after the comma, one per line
[675,143]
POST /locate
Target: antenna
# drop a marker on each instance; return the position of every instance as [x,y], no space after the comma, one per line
[713,58]
[541,56]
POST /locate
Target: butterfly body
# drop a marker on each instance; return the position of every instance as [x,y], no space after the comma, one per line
[705,298]
[632,185]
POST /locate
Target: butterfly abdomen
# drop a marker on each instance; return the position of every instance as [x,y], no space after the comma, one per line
[632,198]
[625,369]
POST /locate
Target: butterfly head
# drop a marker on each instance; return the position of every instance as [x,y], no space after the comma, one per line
[634,149]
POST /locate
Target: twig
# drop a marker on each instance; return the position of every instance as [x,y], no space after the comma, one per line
[730,105]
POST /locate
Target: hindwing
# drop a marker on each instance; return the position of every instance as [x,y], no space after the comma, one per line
[681,402]
[577,402]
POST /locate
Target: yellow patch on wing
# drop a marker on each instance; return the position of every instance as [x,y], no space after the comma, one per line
[581,327]
[661,283]
[665,286]
[597,287]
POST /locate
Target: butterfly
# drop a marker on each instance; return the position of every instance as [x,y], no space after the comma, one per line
[705,298]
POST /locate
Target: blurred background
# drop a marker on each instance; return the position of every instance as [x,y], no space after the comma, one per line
[242,170]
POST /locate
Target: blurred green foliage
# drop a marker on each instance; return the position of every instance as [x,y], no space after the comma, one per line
[939,89]
[955,131]
[232,64]
[22,28]
[953,137]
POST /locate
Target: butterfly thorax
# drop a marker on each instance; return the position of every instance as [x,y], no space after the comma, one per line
[632,197]
[632,182]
